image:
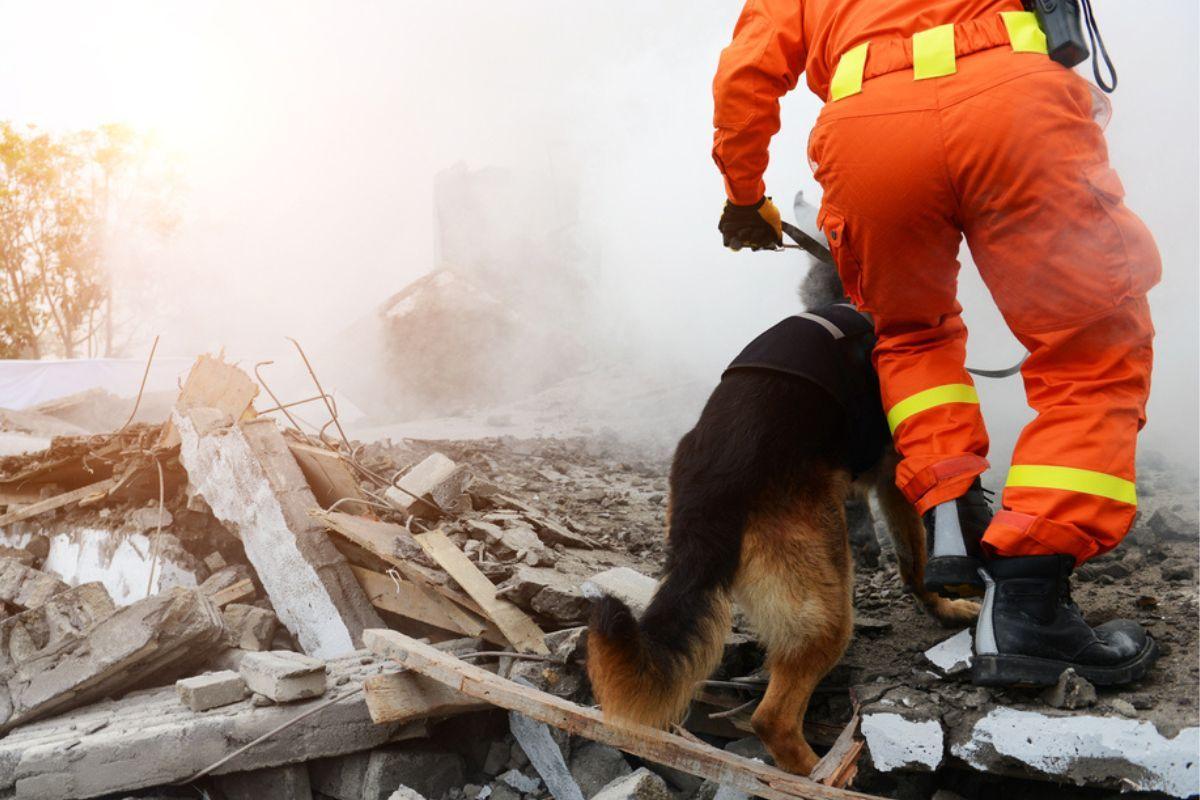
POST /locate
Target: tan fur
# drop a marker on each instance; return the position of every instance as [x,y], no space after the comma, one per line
[630,691]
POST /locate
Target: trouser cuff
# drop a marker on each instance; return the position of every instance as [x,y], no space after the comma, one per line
[945,480]
[1015,534]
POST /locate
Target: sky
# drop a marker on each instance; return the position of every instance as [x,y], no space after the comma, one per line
[309,135]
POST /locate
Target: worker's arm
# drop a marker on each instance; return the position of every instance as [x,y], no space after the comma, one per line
[762,63]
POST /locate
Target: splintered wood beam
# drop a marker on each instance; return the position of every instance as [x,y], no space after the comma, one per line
[394,544]
[752,777]
[839,766]
[58,501]
[407,599]
[242,590]
[407,696]
[515,624]
[329,477]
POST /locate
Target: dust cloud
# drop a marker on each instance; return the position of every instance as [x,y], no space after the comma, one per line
[310,135]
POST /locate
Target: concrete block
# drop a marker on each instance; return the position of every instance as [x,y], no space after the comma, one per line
[595,765]
[341,778]
[428,772]
[624,583]
[405,793]
[250,627]
[436,478]
[640,785]
[212,690]
[26,587]
[283,676]
[249,478]
[278,783]
[149,738]
[152,639]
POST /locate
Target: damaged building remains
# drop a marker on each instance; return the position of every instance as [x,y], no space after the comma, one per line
[216,604]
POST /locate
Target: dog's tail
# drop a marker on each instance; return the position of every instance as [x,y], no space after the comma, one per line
[646,671]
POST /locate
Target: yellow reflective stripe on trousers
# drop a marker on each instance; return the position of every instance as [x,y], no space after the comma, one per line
[848,77]
[1032,476]
[1024,32]
[923,401]
[933,53]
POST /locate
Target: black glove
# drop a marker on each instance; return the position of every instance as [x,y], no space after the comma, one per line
[757,227]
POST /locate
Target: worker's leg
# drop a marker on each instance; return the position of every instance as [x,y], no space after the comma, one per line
[1068,265]
[889,214]
[1071,486]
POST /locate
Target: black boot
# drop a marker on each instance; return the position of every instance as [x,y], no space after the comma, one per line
[1029,630]
[952,533]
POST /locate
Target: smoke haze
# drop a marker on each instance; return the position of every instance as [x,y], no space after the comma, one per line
[310,135]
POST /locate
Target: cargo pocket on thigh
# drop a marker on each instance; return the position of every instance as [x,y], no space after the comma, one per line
[1143,265]
[833,225]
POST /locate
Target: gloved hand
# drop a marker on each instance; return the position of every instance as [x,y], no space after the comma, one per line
[757,227]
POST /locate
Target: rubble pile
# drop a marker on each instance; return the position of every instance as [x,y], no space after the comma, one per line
[224,604]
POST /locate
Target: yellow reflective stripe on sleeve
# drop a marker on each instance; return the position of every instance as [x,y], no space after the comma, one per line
[923,401]
[933,53]
[1024,32]
[848,77]
[1073,480]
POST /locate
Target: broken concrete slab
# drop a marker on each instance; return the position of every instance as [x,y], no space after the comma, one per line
[149,738]
[952,656]
[288,782]
[25,587]
[122,562]
[547,592]
[149,640]
[899,742]
[250,627]
[282,675]
[626,584]
[1084,749]
[250,479]
[72,613]
[431,773]
[211,690]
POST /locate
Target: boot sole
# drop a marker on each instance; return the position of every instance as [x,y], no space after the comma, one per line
[954,576]
[1012,670]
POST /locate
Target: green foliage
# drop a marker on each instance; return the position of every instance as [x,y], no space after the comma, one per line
[64,202]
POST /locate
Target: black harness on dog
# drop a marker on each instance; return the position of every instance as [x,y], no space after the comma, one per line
[831,347]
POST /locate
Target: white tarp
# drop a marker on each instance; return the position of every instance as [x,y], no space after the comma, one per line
[24,384]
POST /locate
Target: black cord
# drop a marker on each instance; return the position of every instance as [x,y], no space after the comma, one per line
[1098,49]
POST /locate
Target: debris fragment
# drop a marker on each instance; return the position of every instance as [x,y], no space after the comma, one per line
[211,690]
[952,656]
[1072,691]
[283,676]
[626,584]
[436,484]
[535,739]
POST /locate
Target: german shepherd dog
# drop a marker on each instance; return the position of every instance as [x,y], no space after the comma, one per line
[757,516]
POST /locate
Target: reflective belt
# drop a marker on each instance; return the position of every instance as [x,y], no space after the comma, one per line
[931,398]
[934,52]
[1070,479]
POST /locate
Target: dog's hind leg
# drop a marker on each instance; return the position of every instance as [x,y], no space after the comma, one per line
[795,586]
[908,534]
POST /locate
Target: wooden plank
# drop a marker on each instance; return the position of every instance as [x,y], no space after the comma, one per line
[212,383]
[242,590]
[408,599]
[515,624]
[406,696]
[839,766]
[752,777]
[58,501]
[329,477]
[395,545]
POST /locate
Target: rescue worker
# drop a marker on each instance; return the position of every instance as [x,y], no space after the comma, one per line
[945,119]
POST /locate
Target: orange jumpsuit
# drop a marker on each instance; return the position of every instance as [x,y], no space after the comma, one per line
[946,119]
